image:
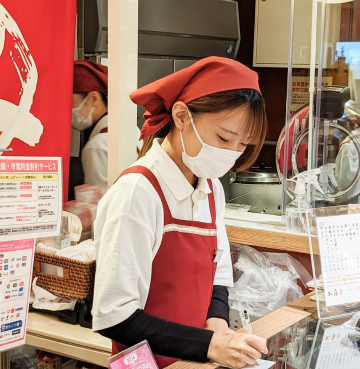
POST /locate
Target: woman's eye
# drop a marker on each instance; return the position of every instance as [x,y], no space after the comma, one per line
[223,139]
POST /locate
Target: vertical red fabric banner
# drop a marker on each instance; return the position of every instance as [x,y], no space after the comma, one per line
[36,75]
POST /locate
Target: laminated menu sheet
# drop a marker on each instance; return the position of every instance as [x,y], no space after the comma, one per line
[334,355]
[136,357]
[16,265]
[339,244]
[30,197]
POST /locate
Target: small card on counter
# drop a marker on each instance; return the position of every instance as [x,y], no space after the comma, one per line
[138,356]
[260,364]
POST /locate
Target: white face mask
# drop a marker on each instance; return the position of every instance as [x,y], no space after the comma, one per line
[211,162]
[78,121]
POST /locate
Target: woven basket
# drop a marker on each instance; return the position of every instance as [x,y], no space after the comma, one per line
[77,281]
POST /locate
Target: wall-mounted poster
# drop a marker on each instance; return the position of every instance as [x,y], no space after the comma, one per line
[36,74]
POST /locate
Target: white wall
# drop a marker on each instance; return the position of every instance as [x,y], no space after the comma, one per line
[123,55]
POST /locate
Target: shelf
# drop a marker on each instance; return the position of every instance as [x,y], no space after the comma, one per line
[269,234]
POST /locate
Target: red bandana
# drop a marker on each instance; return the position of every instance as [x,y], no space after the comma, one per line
[205,77]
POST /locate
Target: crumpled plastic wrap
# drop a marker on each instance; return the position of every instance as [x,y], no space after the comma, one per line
[267,282]
[353,324]
[45,300]
[84,251]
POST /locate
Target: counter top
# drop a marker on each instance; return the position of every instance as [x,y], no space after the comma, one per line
[265,327]
[50,334]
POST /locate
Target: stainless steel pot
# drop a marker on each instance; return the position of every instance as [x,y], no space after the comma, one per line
[258,187]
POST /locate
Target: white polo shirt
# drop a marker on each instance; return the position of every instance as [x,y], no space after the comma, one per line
[129,228]
[94,156]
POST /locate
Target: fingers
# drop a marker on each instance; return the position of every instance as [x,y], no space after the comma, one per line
[248,360]
[257,343]
[251,352]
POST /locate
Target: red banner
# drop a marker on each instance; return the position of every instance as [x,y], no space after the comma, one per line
[36,73]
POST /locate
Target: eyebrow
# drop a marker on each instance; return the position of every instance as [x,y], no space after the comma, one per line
[228,130]
[232,132]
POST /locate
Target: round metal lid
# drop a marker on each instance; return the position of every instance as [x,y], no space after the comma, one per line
[258,175]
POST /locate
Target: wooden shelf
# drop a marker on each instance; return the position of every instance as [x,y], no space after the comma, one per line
[273,240]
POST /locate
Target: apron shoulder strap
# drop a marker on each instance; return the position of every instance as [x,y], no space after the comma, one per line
[153,180]
[212,203]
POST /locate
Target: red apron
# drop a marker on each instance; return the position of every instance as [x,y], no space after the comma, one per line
[183,269]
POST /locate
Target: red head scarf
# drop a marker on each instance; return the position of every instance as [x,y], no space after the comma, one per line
[205,77]
[90,76]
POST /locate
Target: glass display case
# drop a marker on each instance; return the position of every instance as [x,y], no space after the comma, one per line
[322,127]
[312,344]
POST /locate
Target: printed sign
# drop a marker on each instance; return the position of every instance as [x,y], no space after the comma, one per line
[300,91]
[16,259]
[30,197]
[333,355]
[135,357]
[339,243]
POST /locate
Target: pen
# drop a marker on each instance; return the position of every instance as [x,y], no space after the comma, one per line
[247,322]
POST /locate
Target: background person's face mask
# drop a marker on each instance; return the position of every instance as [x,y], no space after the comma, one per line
[78,121]
[211,162]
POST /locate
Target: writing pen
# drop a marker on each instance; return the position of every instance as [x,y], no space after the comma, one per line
[247,323]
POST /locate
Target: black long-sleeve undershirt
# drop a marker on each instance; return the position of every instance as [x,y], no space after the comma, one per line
[168,338]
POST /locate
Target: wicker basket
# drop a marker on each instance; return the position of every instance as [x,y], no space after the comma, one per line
[77,281]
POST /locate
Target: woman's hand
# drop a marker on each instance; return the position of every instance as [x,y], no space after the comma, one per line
[236,350]
[219,326]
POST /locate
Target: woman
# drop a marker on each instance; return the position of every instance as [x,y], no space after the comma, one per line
[90,110]
[163,258]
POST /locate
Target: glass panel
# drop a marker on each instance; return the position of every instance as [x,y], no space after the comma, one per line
[324,102]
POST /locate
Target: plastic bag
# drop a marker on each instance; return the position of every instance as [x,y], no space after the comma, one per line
[45,300]
[84,251]
[264,287]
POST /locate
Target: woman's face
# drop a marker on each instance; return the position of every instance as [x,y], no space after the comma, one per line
[85,109]
[225,130]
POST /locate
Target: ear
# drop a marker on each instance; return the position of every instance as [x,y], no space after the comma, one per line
[180,114]
[94,98]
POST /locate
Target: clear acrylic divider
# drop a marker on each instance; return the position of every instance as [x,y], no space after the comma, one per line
[337,216]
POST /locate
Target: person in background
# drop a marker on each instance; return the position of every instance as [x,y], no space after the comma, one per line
[90,110]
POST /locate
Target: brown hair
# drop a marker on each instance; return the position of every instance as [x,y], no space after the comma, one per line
[228,100]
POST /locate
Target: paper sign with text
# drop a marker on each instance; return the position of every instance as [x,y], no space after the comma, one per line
[339,244]
[333,355]
[30,197]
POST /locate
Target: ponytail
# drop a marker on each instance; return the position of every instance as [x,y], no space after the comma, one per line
[148,141]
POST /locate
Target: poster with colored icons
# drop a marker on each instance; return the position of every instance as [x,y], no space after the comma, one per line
[16,264]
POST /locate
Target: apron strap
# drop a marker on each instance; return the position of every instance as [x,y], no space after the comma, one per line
[212,203]
[153,180]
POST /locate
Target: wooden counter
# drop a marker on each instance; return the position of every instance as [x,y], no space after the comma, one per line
[265,327]
[267,231]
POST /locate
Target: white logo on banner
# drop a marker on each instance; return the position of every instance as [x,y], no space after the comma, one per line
[16,121]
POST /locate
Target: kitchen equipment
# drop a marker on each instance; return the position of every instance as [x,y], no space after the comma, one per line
[339,123]
[261,189]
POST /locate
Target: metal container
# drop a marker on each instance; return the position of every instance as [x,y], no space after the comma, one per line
[258,187]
